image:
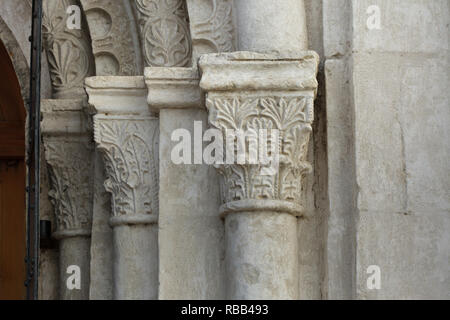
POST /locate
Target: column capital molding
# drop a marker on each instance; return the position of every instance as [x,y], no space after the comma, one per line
[117,95]
[252,91]
[130,149]
[68,153]
[251,71]
[127,134]
[173,88]
[65,117]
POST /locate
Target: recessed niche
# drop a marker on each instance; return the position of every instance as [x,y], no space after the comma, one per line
[106,64]
[100,23]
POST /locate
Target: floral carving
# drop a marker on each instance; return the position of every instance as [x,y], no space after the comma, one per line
[164,32]
[67,50]
[130,163]
[292,118]
[70,170]
[217,30]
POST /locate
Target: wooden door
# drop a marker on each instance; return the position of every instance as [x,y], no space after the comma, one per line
[12,183]
[12,229]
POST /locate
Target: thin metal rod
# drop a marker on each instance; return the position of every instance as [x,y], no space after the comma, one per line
[33,189]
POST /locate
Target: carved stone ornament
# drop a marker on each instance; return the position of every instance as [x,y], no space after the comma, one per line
[217,31]
[127,133]
[68,51]
[165,32]
[71,182]
[292,117]
[128,146]
[111,24]
[271,93]
[69,156]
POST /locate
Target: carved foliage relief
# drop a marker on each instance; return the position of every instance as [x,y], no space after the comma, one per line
[217,29]
[164,32]
[70,168]
[68,51]
[131,164]
[292,118]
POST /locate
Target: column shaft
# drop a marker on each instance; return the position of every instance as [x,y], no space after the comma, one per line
[135,269]
[261,202]
[74,251]
[260,255]
[271,25]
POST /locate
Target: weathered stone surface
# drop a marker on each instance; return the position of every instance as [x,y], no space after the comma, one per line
[280,29]
[69,52]
[379,193]
[113,33]
[394,145]
[415,26]
[69,156]
[164,31]
[212,26]
[128,136]
[173,88]
[341,177]
[102,278]
[191,233]
[251,91]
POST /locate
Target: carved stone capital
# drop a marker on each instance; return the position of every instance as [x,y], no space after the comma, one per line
[249,92]
[127,134]
[69,156]
[129,147]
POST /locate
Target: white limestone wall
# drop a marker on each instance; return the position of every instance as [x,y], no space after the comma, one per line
[381,168]
[402,126]
[340,239]
[388,132]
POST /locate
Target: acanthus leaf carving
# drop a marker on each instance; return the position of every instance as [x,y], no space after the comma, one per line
[292,118]
[131,164]
[70,168]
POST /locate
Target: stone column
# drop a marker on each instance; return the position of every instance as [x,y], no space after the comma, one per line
[251,91]
[127,134]
[69,152]
[271,25]
[190,228]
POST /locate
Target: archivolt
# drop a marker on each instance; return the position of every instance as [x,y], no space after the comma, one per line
[116,41]
[17,57]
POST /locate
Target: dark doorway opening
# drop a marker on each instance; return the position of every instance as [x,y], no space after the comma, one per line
[12,182]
